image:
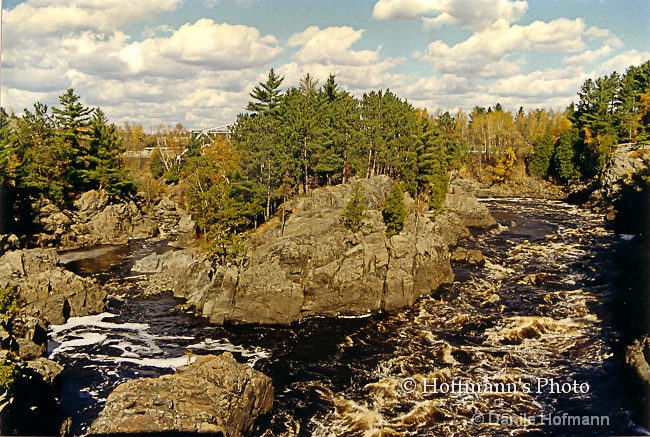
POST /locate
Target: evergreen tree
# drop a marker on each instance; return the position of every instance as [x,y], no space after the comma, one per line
[540,160]
[301,126]
[563,163]
[308,86]
[72,119]
[356,209]
[267,95]
[394,211]
[432,177]
[595,117]
[342,136]
[106,169]
[45,158]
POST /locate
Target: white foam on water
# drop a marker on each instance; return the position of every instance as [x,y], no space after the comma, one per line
[168,363]
[87,339]
[97,322]
[224,345]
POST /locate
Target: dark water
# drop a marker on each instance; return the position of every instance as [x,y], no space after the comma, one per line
[524,345]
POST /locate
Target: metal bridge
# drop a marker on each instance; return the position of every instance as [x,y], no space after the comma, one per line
[223,129]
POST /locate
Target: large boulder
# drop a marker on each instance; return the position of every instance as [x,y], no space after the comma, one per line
[46,291]
[472,213]
[212,395]
[311,265]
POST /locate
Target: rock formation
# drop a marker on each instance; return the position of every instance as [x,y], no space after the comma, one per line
[46,291]
[95,221]
[311,265]
[212,395]
[46,294]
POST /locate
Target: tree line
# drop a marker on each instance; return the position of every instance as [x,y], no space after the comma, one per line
[290,141]
[56,155]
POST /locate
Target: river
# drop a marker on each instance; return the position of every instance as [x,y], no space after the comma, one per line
[522,346]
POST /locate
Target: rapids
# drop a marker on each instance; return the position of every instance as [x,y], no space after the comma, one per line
[522,346]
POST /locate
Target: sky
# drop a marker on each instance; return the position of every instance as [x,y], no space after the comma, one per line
[196,61]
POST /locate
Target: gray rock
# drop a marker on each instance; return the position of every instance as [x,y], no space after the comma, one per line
[635,357]
[214,394]
[472,213]
[47,291]
[174,260]
[28,350]
[472,257]
[173,221]
[49,370]
[313,266]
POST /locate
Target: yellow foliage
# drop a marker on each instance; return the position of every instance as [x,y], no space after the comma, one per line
[504,168]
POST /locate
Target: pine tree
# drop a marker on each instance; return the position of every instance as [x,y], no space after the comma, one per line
[563,163]
[432,177]
[267,95]
[106,169]
[355,210]
[394,211]
[540,160]
[72,119]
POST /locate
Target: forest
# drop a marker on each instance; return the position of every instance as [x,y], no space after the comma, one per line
[292,140]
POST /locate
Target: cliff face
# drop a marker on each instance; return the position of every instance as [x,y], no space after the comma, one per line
[311,265]
[46,294]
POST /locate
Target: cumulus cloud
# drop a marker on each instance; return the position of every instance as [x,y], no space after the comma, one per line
[93,54]
[488,53]
[588,57]
[401,9]
[471,14]
[329,51]
[331,46]
[550,82]
[38,17]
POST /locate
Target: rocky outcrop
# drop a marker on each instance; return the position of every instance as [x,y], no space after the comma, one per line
[212,395]
[45,294]
[635,357]
[472,213]
[626,161]
[311,265]
[30,406]
[93,221]
[45,291]
[524,186]
[473,257]
[173,222]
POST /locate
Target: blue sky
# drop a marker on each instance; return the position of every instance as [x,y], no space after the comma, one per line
[195,61]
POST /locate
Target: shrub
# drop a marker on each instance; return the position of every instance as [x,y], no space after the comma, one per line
[355,210]
[394,211]
[8,302]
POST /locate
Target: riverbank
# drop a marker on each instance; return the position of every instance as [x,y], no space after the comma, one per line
[538,309]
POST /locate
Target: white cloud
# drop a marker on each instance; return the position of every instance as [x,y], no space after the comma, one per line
[401,9]
[588,57]
[537,84]
[488,52]
[83,45]
[621,62]
[331,46]
[471,14]
[329,51]
[39,17]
